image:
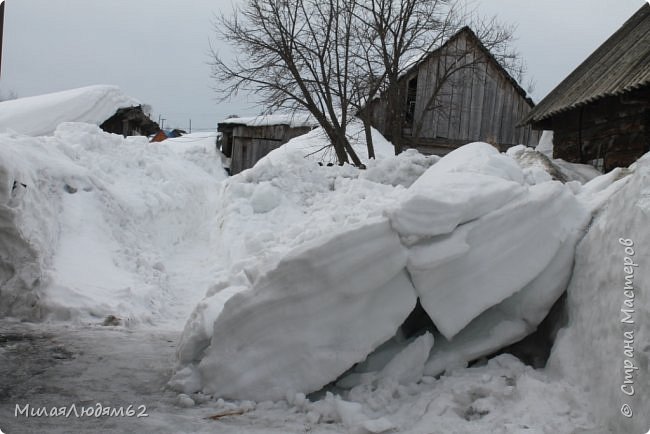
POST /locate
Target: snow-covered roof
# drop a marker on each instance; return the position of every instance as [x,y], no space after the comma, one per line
[40,115]
[291,119]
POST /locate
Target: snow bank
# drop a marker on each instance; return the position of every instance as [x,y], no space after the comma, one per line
[42,114]
[315,233]
[315,146]
[606,340]
[287,199]
[89,219]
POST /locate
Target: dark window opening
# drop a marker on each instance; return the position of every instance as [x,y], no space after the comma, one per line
[411,95]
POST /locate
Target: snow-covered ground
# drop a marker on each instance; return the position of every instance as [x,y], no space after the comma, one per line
[142,263]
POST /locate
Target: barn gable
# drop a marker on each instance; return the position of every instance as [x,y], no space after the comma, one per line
[600,114]
[457,94]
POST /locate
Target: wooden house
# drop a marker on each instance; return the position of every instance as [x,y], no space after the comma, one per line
[130,121]
[245,140]
[600,114]
[458,94]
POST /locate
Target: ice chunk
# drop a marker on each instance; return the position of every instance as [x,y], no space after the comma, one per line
[511,320]
[465,184]
[198,329]
[354,419]
[325,307]
[408,365]
[508,248]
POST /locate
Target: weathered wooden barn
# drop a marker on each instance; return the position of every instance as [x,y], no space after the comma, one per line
[245,140]
[600,114]
[457,94]
[130,121]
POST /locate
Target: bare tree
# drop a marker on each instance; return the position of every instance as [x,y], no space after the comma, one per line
[294,54]
[398,33]
[333,56]
[397,30]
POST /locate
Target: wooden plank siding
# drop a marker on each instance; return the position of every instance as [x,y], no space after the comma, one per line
[248,144]
[489,102]
[612,132]
[481,103]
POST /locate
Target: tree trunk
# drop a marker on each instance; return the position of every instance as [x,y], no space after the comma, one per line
[343,140]
[366,116]
[394,117]
[339,145]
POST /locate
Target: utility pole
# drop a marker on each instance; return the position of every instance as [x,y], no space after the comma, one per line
[190,125]
[162,125]
[2,25]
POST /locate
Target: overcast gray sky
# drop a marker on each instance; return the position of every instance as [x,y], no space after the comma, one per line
[157,50]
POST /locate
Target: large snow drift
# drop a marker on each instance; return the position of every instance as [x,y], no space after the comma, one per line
[604,349]
[471,281]
[42,114]
[89,219]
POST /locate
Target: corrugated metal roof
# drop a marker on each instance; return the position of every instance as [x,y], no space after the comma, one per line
[619,65]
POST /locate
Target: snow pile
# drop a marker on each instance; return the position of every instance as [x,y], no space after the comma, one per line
[42,114]
[89,219]
[307,306]
[315,146]
[604,349]
[503,396]
[288,199]
[283,203]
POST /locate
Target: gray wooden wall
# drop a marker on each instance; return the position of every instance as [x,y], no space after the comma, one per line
[476,104]
[250,144]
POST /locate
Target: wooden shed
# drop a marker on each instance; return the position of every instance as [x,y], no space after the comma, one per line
[245,140]
[130,121]
[600,114]
[457,94]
